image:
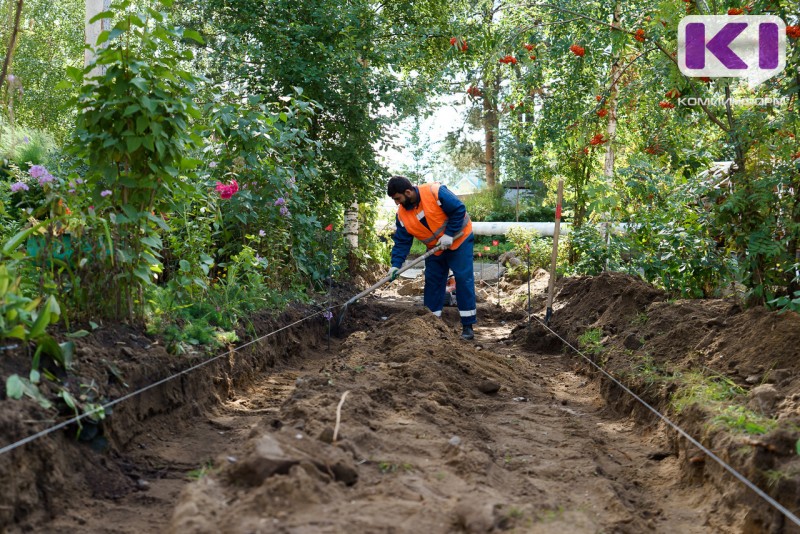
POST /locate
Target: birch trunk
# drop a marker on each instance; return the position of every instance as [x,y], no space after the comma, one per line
[608,168]
[93,7]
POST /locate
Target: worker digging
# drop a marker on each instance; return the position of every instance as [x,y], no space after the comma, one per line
[434,215]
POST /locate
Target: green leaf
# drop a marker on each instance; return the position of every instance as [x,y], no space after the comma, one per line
[68,398]
[42,320]
[18,332]
[143,274]
[102,38]
[194,36]
[185,266]
[94,325]
[35,376]
[102,15]
[142,84]
[15,387]
[134,143]
[78,334]
[130,110]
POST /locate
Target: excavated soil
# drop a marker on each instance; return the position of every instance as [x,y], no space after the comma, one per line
[401,426]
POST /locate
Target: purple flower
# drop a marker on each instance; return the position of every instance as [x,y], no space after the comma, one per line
[285,211]
[19,186]
[71,191]
[213,165]
[79,181]
[46,178]
[280,202]
[26,140]
[262,233]
[105,192]
[37,171]
[328,315]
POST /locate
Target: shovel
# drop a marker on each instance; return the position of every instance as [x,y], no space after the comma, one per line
[385,279]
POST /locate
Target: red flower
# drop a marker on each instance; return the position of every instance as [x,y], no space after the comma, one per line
[460,43]
[509,59]
[495,243]
[793,32]
[533,57]
[705,79]
[735,11]
[474,92]
[598,139]
[666,105]
[577,50]
[486,248]
[226,191]
[602,112]
[639,35]
[511,107]
[528,47]
[598,98]
[329,227]
[796,156]
[673,93]
[585,150]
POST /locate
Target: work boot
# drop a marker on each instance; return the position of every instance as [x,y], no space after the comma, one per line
[466,332]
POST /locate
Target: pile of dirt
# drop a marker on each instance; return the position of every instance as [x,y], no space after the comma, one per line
[691,359]
[43,478]
[412,372]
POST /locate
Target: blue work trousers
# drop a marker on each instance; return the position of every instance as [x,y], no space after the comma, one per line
[436,270]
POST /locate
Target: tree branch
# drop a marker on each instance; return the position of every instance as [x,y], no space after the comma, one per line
[11,44]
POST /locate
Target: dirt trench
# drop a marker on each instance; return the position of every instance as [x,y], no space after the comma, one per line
[436,435]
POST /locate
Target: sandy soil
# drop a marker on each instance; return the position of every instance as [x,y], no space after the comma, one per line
[505,433]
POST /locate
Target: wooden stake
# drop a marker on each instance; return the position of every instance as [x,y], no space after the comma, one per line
[554,258]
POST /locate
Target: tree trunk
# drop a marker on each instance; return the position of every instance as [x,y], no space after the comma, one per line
[351,235]
[491,123]
[608,168]
[11,44]
[92,32]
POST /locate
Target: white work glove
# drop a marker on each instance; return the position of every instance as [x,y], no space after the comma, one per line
[393,274]
[445,241]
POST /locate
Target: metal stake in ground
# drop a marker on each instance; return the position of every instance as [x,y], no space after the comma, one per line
[554,258]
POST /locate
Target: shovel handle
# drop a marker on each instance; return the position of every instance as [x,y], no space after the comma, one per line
[403,269]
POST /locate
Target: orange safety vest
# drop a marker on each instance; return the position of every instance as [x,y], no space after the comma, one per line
[430,208]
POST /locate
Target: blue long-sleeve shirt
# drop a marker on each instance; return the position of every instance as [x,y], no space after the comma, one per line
[452,207]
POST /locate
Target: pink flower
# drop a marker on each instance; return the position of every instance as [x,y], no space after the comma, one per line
[495,243]
[262,233]
[329,227]
[226,191]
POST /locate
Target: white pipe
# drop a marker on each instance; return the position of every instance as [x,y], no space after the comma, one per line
[500,228]
[545,229]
